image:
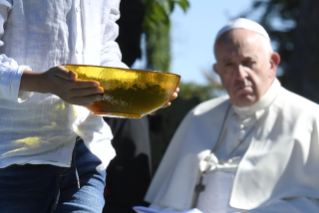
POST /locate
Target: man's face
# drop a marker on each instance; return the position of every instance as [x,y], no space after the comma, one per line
[245,65]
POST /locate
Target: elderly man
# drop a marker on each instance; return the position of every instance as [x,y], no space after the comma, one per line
[255,150]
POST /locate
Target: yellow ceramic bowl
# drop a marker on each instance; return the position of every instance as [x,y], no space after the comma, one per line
[128,93]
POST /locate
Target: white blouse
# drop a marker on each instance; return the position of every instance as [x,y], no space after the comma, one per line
[37,35]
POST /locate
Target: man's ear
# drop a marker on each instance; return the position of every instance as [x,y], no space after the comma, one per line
[215,68]
[274,62]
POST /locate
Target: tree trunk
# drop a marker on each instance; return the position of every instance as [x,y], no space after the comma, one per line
[303,73]
[158,48]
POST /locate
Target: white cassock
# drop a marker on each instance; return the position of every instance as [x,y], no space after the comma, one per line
[272,149]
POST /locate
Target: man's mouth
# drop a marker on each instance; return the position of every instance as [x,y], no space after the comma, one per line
[242,87]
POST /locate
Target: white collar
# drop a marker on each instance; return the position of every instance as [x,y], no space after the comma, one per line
[262,104]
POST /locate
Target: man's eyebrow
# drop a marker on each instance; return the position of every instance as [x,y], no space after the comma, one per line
[225,60]
[248,58]
[251,57]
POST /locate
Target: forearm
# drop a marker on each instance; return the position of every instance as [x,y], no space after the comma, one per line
[32,82]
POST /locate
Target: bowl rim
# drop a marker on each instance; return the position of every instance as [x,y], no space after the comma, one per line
[126,69]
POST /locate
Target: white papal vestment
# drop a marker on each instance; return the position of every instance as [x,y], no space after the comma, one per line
[278,171]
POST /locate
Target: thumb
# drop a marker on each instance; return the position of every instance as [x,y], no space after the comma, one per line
[62,72]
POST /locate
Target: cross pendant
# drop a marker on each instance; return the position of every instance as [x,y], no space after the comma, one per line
[200,187]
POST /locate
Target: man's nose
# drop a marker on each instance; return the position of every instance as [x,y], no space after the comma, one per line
[241,73]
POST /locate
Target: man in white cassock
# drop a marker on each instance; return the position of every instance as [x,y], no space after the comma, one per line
[255,150]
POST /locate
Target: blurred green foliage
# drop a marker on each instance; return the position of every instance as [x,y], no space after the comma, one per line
[189,90]
[158,11]
[156,27]
[211,89]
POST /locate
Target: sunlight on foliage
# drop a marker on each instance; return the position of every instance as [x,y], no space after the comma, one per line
[156,27]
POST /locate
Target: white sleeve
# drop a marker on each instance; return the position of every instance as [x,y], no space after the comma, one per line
[10,71]
[96,134]
[296,205]
[111,54]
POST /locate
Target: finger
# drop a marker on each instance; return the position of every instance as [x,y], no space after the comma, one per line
[177,90]
[62,72]
[173,96]
[83,92]
[85,84]
[86,100]
[167,104]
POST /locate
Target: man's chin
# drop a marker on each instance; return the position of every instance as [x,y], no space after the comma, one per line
[244,101]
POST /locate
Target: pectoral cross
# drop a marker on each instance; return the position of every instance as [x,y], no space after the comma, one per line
[200,187]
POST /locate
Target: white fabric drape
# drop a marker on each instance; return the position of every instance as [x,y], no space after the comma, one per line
[279,165]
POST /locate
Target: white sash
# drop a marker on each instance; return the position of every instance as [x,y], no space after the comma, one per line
[218,180]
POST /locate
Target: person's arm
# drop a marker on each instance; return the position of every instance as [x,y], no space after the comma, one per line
[296,205]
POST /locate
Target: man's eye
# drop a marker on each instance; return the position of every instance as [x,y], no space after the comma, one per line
[249,63]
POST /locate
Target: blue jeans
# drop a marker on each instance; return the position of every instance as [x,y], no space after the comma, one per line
[46,188]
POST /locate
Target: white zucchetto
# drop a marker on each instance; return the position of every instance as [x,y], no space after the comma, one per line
[242,23]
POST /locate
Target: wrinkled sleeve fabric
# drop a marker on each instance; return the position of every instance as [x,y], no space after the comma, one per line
[111,53]
[96,135]
[10,71]
[296,205]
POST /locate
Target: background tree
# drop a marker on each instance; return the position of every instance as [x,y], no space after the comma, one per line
[302,75]
[156,28]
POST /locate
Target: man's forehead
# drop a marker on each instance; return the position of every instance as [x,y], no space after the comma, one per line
[239,44]
[237,35]
[237,39]
[239,57]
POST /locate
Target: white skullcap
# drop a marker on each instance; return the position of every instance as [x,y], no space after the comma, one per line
[243,23]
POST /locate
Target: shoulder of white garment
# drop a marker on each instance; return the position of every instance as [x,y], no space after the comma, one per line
[296,104]
[209,105]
